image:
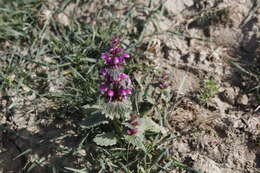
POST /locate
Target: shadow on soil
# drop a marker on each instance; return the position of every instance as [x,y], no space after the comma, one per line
[52,146]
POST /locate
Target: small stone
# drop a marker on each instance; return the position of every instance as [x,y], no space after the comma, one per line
[175,7]
[82,152]
[242,100]
[189,3]
[229,95]
[63,19]
[226,84]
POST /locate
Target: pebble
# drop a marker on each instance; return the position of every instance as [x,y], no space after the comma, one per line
[177,6]
[229,95]
[242,100]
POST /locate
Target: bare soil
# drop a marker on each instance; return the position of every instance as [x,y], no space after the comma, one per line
[230,138]
[227,135]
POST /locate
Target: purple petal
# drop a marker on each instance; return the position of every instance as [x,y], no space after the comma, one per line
[163,85]
[116,60]
[112,50]
[121,60]
[132,131]
[122,92]
[118,50]
[109,78]
[115,50]
[115,41]
[103,72]
[110,93]
[104,56]
[122,76]
[129,91]
[103,88]
[125,55]
[108,60]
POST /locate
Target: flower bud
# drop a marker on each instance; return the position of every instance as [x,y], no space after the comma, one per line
[132,131]
[125,55]
[103,88]
[116,61]
[110,93]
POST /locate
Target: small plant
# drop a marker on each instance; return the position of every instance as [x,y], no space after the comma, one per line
[209,89]
[114,106]
[115,84]
[250,75]
[211,17]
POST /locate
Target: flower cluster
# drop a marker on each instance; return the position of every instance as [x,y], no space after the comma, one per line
[163,82]
[115,85]
[115,56]
[133,130]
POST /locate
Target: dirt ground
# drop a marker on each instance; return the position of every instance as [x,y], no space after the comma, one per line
[213,33]
[230,142]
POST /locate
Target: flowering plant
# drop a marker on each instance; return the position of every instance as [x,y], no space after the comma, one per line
[115,105]
[116,86]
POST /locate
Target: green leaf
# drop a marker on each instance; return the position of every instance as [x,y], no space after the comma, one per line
[121,109]
[136,140]
[145,107]
[93,120]
[23,153]
[105,139]
[167,95]
[149,125]
[148,94]
[138,79]
[76,170]
[144,124]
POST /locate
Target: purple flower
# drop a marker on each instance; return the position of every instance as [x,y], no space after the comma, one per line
[103,72]
[116,61]
[115,50]
[128,91]
[109,79]
[122,76]
[124,55]
[115,56]
[115,41]
[104,56]
[121,60]
[108,61]
[132,131]
[103,88]
[118,50]
[163,85]
[110,93]
[122,92]
[114,87]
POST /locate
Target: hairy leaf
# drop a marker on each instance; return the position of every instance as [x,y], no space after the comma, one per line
[105,139]
[93,120]
[144,124]
[118,109]
[149,125]
[136,140]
